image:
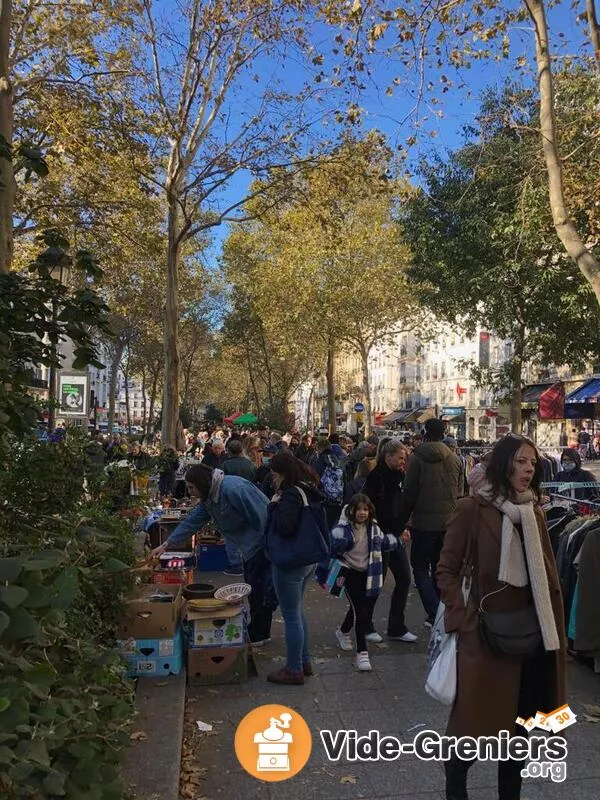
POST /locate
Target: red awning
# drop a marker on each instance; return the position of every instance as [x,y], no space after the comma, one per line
[552,402]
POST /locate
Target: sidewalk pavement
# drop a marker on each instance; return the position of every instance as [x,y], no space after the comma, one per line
[390,699]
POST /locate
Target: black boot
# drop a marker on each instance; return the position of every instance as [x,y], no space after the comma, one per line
[456,779]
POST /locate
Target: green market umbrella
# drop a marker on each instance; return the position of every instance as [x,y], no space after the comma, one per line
[246,419]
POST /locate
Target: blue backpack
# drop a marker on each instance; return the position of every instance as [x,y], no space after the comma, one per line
[332,482]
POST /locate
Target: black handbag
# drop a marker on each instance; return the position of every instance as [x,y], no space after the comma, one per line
[514,633]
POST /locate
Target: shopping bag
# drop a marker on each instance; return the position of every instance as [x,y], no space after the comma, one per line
[441,679]
[441,671]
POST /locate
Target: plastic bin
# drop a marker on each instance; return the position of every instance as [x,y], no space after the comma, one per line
[211,558]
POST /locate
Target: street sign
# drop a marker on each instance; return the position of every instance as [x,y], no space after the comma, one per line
[359,418]
[359,407]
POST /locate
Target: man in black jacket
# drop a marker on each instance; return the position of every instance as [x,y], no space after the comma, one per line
[429,494]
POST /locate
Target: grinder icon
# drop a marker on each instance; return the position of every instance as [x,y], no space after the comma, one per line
[273,745]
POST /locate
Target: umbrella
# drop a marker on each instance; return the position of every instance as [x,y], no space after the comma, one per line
[233,417]
[246,419]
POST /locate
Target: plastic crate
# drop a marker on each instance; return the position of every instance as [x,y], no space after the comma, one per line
[211,557]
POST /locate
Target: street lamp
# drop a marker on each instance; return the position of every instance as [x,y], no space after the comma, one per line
[59,269]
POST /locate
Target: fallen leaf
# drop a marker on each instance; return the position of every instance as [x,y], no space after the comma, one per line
[162,683]
[382,645]
[593,710]
[204,727]
[588,718]
[139,736]
[348,779]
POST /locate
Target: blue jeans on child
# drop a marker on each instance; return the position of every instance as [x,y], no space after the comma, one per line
[290,585]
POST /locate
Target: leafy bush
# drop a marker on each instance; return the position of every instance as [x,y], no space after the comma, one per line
[64,701]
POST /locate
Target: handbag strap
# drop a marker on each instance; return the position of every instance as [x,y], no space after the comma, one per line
[302,495]
[467,565]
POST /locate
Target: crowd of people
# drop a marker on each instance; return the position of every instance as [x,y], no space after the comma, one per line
[390,505]
[396,506]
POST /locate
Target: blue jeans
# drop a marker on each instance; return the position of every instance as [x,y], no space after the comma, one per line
[290,585]
[425,550]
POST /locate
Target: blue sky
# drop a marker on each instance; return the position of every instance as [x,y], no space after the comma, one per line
[391,115]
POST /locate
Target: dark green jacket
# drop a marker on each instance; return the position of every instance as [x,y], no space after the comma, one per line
[431,487]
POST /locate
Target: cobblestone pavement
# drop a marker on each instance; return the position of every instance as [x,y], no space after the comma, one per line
[390,699]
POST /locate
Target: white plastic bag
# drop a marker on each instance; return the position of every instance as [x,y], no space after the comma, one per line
[441,679]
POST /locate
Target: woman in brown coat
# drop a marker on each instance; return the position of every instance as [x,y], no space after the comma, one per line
[502,534]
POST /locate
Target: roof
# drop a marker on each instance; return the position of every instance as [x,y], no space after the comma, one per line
[589,392]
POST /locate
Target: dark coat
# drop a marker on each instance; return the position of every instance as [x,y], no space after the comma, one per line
[240,466]
[383,486]
[431,487]
[284,515]
[489,683]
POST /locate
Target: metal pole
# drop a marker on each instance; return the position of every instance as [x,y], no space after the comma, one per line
[52,376]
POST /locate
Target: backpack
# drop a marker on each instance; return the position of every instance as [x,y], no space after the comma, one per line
[332,482]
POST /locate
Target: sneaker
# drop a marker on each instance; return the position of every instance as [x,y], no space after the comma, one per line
[344,640]
[374,637]
[237,573]
[363,663]
[261,642]
[308,671]
[406,637]
[428,623]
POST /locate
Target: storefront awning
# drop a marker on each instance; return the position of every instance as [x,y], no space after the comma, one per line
[589,392]
[552,402]
[425,414]
[530,396]
[395,416]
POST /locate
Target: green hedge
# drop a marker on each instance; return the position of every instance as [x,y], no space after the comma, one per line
[64,701]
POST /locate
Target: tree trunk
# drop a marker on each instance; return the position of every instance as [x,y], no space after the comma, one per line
[127,409]
[253,383]
[594,30]
[7,180]
[144,404]
[170,408]
[150,425]
[364,363]
[331,415]
[567,233]
[114,374]
[309,406]
[517,380]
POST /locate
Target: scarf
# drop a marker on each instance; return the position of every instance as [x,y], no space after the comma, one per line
[514,563]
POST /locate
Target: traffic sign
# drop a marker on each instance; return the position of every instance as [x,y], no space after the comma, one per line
[359,407]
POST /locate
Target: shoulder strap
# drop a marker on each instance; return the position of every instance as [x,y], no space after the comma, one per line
[302,495]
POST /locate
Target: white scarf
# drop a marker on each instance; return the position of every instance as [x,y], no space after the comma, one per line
[215,489]
[513,569]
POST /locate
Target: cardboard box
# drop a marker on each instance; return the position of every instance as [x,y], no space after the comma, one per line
[153,657]
[144,619]
[226,628]
[151,648]
[208,666]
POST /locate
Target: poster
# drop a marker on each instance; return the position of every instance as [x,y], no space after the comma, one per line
[73,394]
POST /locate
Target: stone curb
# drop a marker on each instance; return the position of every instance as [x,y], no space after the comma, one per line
[152,765]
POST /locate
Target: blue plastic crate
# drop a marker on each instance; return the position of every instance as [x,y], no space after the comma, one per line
[211,557]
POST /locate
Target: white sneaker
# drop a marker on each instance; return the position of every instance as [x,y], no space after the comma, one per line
[407,637]
[374,637]
[344,640]
[363,664]
[261,642]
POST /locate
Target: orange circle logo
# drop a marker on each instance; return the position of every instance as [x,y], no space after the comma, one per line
[273,743]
